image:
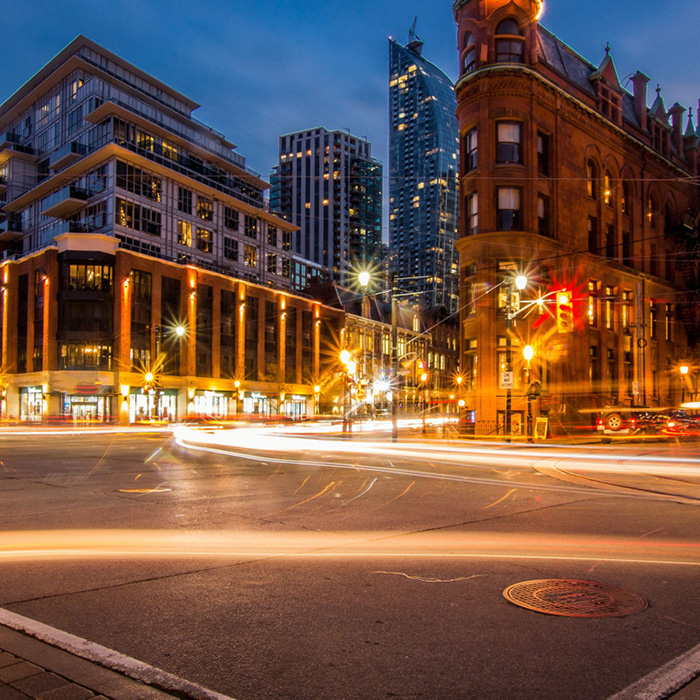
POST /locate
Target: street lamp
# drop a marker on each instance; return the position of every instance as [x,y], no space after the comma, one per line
[684,369]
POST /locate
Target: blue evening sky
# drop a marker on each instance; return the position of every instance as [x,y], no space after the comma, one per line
[262,68]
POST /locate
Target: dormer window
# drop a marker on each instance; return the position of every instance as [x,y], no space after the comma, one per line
[510,44]
[610,104]
[469,54]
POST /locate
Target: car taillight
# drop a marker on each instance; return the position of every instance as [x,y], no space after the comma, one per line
[671,424]
[601,421]
[634,420]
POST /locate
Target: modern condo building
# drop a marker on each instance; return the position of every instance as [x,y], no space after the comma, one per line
[424,167]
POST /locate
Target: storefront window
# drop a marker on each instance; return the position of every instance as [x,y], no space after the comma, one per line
[31,403]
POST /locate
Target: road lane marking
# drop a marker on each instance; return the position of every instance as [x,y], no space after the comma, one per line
[109,658]
[663,681]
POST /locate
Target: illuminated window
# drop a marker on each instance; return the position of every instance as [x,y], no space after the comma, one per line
[593,303]
[625,200]
[184,233]
[607,190]
[205,209]
[609,308]
[592,179]
[250,255]
[204,240]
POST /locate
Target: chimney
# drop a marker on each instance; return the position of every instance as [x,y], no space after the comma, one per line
[639,80]
[677,112]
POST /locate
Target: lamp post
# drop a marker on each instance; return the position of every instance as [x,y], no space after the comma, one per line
[528,354]
[520,284]
[684,369]
[317,396]
[346,359]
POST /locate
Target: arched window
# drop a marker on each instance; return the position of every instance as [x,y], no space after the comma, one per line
[608,195]
[668,220]
[510,44]
[625,202]
[469,53]
[592,179]
[652,211]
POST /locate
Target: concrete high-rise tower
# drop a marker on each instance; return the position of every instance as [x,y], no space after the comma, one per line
[328,184]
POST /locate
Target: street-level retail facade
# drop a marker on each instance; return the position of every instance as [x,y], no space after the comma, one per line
[93,332]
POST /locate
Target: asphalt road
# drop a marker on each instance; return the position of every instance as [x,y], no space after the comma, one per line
[338,574]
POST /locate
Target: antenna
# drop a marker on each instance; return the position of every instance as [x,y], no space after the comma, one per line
[412,30]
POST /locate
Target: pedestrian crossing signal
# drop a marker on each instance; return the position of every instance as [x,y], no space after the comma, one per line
[565,312]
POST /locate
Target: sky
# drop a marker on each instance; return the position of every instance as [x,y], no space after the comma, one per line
[261,69]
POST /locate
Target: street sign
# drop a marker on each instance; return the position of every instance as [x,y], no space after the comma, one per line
[507,380]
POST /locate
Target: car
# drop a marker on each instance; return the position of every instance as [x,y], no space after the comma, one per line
[621,420]
[678,423]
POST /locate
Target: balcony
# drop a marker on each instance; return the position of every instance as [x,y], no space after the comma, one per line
[3,187]
[10,230]
[66,155]
[8,140]
[66,202]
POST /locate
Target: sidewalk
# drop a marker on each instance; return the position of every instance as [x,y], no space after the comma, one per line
[30,668]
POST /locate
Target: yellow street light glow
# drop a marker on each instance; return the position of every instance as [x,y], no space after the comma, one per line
[149,376]
[317,389]
[528,352]
[685,369]
[352,367]
[423,377]
[462,403]
[521,282]
[180,331]
[563,299]
[540,9]
[344,357]
[363,278]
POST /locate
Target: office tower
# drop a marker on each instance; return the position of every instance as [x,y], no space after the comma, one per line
[424,165]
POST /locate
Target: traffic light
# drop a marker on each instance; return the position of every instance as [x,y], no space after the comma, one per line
[565,312]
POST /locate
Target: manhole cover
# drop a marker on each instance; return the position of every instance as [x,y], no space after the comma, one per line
[575,598]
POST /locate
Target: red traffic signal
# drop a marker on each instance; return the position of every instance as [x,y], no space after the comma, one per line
[565,311]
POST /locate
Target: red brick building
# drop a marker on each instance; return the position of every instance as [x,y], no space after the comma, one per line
[571,180]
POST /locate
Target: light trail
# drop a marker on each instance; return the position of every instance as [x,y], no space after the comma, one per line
[234,545]
[261,443]
[287,440]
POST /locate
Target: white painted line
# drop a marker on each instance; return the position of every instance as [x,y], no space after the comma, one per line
[108,658]
[666,680]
